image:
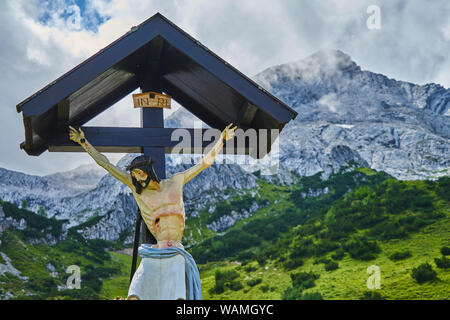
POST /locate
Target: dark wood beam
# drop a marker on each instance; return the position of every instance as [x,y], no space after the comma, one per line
[246,115]
[63,112]
[105,102]
[190,104]
[150,72]
[131,140]
[153,118]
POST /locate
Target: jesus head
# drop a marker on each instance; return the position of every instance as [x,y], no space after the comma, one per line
[143,174]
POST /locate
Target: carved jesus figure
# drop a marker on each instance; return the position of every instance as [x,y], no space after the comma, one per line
[160,201]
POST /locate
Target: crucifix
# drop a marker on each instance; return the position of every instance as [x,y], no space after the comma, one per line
[159,57]
[160,203]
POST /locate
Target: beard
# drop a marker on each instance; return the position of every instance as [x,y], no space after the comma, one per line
[139,187]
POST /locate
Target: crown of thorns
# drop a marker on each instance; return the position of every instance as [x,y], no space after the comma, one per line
[140,162]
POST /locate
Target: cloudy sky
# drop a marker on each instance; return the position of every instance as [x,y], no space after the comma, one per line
[42,39]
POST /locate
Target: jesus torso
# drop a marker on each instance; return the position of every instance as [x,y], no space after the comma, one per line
[163,211]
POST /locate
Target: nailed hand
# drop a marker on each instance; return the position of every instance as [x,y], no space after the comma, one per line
[228,133]
[75,135]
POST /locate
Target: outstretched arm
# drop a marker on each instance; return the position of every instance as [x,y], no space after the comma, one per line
[78,137]
[209,158]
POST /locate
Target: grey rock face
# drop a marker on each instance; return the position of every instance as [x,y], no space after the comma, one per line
[47,191]
[12,223]
[8,267]
[81,179]
[2,226]
[227,221]
[347,115]
[315,193]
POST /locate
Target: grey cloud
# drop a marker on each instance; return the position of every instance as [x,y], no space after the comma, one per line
[412,45]
[20,78]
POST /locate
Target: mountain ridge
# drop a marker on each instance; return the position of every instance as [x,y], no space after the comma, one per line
[347,117]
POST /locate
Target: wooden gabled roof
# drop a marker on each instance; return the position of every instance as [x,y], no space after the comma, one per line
[160,53]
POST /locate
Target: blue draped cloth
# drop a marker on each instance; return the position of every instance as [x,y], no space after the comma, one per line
[193,286]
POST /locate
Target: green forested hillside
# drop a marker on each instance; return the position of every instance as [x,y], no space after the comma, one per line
[394,225]
[42,267]
[289,206]
[316,239]
[306,247]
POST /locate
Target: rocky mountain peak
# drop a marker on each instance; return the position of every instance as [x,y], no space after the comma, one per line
[327,62]
[347,117]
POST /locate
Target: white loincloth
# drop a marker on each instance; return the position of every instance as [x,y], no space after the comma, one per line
[160,279]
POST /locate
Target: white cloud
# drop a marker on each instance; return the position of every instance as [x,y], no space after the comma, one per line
[38,55]
[446,31]
[412,45]
[331,102]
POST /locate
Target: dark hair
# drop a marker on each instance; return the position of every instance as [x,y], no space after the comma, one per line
[145,163]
